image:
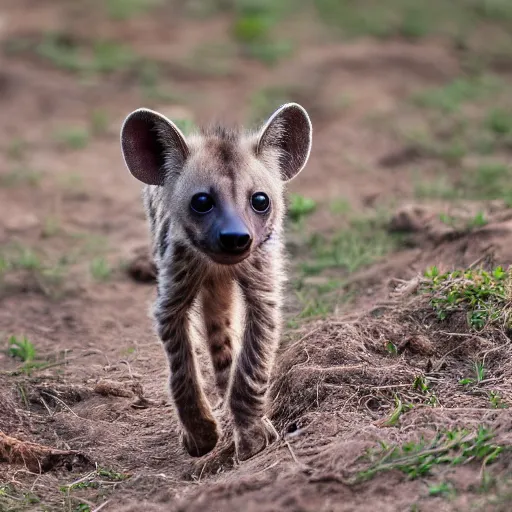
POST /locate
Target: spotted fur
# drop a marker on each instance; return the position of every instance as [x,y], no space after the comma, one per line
[195,276]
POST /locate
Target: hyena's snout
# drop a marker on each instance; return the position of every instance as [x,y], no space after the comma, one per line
[234,242]
[233,237]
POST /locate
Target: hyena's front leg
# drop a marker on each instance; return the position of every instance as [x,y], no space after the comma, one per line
[218,296]
[179,280]
[261,290]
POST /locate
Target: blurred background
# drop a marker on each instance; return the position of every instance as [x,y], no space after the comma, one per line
[410,102]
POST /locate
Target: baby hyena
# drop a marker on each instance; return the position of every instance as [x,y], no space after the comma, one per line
[215,206]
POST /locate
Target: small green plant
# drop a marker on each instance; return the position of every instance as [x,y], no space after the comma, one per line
[300,206]
[421,384]
[74,137]
[477,221]
[82,507]
[112,475]
[484,295]
[21,348]
[400,408]
[496,400]
[480,372]
[443,489]
[447,219]
[416,459]
[391,348]
[100,269]
[432,272]
[96,480]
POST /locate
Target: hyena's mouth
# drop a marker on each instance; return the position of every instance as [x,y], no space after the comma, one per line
[223,258]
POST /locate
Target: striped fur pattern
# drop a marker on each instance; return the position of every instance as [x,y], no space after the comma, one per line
[199,282]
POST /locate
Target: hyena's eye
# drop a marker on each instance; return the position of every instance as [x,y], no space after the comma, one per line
[260,202]
[202,203]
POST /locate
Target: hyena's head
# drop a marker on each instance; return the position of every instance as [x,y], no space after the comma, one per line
[223,189]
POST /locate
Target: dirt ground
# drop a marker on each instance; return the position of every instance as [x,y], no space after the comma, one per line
[71,220]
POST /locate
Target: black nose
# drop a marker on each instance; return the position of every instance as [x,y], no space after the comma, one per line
[234,242]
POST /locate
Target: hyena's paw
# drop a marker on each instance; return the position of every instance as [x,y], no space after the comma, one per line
[202,440]
[220,459]
[250,441]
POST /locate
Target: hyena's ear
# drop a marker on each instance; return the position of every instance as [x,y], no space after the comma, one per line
[152,146]
[287,134]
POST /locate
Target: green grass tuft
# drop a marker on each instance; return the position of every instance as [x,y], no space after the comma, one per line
[484,295]
[497,401]
[479,371]
[416,459]
[21,348]
[444,489]
[299,207]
